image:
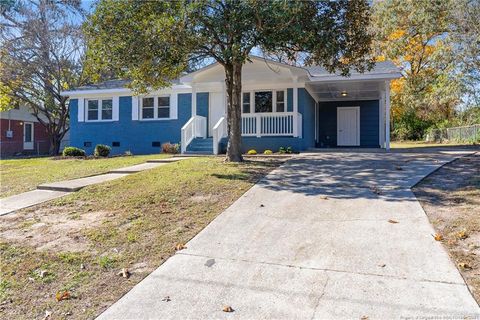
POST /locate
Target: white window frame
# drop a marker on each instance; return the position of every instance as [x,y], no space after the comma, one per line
[155,107]
[99,111]
[274,100]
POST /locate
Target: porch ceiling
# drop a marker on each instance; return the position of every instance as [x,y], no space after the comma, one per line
[354,90]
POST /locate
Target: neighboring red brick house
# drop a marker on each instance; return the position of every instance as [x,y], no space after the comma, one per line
[22,133]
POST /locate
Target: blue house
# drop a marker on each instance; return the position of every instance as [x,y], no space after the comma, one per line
[282,106]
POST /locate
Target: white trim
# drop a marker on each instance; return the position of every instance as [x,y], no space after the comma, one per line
[357,115]
[135,111]
[381,120]
[174,106]
[116,108]
[377,76]
[81,110]
[194,100]
[387,115]
[30,144]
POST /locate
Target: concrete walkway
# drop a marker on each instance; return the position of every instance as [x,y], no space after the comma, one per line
[50,191]
[313,240]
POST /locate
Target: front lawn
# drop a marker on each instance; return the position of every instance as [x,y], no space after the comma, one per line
[20,175]
[80,243]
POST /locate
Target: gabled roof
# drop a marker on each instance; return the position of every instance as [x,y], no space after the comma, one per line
[109,84]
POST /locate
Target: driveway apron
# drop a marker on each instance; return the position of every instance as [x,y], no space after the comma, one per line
[327,235]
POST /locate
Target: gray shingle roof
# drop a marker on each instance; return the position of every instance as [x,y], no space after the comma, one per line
[109,84]
[379,68]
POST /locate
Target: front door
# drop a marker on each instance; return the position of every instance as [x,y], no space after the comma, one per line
[348,126]
[28,136]
[216,110]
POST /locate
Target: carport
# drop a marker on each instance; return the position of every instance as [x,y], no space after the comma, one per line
[352,111]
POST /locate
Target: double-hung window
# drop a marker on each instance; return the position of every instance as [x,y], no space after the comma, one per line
[280,101]
[246,102]
[99,109]
[156,107]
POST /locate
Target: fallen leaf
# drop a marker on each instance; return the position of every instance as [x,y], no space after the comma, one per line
[398,168]
[261,206]
[180,246]
[167,299]
[464,266]
[47,315]
[382,265]
[392,221]
[65,295]
[438,237]
[462,235]
[324,197]
[124,273]
[228,309]
[364,318]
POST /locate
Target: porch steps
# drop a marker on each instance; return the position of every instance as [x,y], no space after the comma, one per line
[200,146]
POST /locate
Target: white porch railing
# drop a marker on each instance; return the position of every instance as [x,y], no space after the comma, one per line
[219,132]
[195,127]
[272,124]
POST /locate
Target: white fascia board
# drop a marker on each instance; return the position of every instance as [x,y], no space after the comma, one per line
[378,76]
[122,92]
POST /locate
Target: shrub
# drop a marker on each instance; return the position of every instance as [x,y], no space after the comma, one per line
[268,152]
[285,150]
[252,151]
[73,152]
[101,150]
[168,147]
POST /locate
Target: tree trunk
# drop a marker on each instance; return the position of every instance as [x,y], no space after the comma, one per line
[54,145]
[233,83]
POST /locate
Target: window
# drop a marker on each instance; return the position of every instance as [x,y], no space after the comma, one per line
[280,95]
[246,102]
[92,109]
[107,108]
[164,107]
[263,101]
[115,144]
[156,107]
[87,144]
[148,106]
[155,143]
[101,109]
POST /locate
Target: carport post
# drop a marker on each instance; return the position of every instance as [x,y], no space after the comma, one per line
[387,115]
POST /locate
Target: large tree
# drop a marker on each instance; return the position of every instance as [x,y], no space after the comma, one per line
[415,35]
[41,55]
[153,42]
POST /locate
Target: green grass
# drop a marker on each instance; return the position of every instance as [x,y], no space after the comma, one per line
[20,175]
[422,144]
[139,220]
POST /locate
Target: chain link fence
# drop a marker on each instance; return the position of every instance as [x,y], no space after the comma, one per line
[467,134]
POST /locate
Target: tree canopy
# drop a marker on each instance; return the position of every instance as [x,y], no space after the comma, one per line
[153,42]
[41,55]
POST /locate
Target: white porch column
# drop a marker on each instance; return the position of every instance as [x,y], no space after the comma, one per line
[387,115]
[194,100]
[381,122]
[295,109]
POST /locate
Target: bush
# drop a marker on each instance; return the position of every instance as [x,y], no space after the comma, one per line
[168,147]
[101,150]
[268,152]
[252,151]
[73,152]
[285,150]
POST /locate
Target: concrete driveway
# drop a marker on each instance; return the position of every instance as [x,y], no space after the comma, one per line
[313,240]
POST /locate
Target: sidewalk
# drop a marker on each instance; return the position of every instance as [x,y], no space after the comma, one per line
[50,191]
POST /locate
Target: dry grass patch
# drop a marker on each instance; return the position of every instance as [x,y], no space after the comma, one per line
[81,242]
[451,199]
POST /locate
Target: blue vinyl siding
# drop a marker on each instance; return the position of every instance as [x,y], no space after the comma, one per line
[369,122]
[134,135]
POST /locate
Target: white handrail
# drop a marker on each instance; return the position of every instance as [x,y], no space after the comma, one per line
[219,132]
[195,127]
